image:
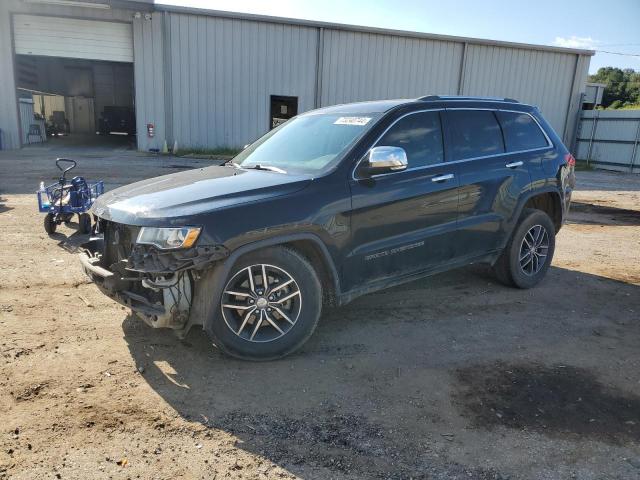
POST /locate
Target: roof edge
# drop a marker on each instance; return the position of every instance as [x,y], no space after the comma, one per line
[364,29]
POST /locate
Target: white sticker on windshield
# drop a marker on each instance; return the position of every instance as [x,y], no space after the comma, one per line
[352,121]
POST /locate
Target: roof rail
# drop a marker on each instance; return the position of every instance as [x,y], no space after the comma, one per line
[436,98]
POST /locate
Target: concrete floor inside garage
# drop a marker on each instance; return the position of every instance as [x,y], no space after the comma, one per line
[450,377]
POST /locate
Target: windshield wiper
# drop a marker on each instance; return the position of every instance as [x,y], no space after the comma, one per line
[270,168]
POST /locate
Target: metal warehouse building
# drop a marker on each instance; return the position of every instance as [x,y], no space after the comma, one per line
[215,79]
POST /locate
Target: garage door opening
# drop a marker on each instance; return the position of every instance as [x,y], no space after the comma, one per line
[76,102]
[74,81]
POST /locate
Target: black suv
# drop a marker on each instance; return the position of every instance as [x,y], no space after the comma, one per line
[333,204]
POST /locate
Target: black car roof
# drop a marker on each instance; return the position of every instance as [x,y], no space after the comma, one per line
[437,101]
[376,106]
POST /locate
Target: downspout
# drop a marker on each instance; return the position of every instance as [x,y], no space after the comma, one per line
[166,72]
[463,66]
[319,61]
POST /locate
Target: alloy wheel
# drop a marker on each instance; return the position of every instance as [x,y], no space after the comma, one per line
[533,250]
[261,303]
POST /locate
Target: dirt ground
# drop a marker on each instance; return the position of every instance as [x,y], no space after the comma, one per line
[452,377]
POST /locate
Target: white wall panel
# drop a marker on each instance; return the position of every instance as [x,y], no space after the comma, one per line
[537,77]
[205,80]
[615,143]
[223,71]
[149,79]
[358,66]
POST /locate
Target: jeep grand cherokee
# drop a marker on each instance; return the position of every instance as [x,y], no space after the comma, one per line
[333,204]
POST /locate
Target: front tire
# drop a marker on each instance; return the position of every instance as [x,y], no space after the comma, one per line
[528,255]
[270,305]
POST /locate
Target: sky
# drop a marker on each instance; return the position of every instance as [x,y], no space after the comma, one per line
[606,26]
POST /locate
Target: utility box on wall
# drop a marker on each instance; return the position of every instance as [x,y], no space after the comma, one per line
[592,95]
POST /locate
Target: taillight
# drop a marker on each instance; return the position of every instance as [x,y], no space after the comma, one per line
[571,161]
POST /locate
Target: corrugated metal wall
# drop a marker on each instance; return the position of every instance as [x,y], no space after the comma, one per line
[149,78]
[205,80]
[610,139]
[536,77]
[366,66]
[360,66]
[9,126]
[223,71]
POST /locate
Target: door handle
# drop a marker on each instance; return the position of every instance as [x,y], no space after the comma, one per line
[513,164]
[442,178]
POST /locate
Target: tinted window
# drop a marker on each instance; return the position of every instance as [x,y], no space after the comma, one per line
[521,132]
[476,133]
[420,134]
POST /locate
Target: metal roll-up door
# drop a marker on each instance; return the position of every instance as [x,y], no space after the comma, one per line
[73,38]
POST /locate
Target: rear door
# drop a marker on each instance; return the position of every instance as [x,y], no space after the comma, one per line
[404,221]
[526,142]
[491,180]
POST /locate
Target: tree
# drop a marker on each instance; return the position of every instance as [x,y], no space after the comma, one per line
[622,86]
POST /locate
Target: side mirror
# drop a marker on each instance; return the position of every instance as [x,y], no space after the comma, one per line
[386,159]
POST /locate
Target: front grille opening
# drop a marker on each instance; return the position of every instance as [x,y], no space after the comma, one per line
[119,240]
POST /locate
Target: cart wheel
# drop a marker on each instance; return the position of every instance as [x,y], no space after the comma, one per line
[84,220]
[49,224]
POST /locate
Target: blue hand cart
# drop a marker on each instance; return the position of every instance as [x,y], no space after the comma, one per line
[61,200]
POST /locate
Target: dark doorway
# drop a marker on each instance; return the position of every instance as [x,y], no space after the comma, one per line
[76,102]
[282,109]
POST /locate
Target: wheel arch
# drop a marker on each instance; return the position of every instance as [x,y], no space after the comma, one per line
[548,202]
[211,284]
[546,199]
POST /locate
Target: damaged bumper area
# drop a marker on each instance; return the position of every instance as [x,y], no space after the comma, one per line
[157,285]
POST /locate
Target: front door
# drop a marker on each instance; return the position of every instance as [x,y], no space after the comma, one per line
[404,222]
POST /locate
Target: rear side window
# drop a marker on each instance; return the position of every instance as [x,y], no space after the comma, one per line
[521,132]
[420,134]
[475,133]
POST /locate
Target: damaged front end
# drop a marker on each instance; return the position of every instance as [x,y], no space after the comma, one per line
[157,284]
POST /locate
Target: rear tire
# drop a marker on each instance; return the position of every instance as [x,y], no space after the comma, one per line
[49,224]
[528,255]
[271,321]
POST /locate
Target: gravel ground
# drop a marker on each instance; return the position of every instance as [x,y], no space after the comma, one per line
[450,377]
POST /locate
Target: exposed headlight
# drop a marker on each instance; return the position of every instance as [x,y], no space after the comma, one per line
[169,238]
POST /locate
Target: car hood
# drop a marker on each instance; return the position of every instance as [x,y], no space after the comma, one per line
[176,198]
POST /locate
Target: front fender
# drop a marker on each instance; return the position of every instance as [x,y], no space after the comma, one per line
[210,285]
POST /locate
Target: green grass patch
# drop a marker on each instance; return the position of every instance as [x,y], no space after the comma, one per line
[208,152]
[582,165]
[630,107]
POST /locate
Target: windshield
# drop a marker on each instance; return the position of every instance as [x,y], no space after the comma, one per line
[306,144]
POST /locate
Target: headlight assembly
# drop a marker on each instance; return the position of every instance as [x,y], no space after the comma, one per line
[169,238]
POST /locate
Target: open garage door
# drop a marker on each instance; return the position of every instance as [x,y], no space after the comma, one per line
[79,76]
[73,38]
